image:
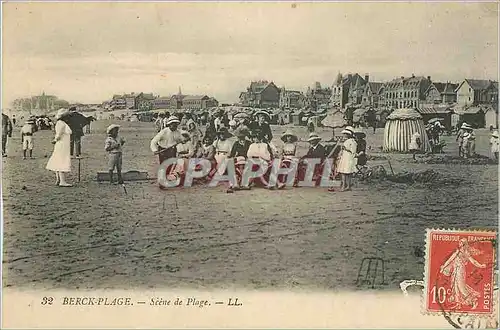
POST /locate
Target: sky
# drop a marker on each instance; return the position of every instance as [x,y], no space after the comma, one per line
[86,52]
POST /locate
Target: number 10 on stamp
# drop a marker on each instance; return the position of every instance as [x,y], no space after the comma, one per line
[459,270]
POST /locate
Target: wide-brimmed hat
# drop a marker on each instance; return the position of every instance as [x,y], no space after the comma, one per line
[494,134]
[262,112]
[62,112]
[348,130]
[313,137]
[172,120]
[112,127]
[291,134]
[242,132]
[465,126]
[359,132]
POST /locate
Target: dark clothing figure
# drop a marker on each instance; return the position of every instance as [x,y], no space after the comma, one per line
[76,122]
[318,151]
[76,143]
[6,132]
[361,152]
[240,149]
[264,129]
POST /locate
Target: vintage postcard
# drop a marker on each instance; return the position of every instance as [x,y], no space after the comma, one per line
[250,164]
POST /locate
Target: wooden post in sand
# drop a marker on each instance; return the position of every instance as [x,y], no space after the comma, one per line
[79,159]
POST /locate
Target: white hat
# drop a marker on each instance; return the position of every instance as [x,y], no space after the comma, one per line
[495,134]
[313,136]
[61,113]
[348,130]
[232,123]
[172,119]
[465,125]
[112,127]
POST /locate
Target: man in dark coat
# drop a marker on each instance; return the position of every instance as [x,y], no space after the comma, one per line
[6,132]
[316,150]
[262,126]
[76,121]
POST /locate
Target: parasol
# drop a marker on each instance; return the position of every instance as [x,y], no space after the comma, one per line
[334,120]
[433,120]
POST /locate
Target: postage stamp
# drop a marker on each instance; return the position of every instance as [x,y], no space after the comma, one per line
[459,268]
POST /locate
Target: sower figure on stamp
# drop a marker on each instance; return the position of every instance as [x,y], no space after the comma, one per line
[455,266]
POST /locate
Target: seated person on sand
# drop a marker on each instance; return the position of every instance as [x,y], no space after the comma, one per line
[290,144]
[316,149]
[260,148]
[185,151]
[241,146]
[222,145]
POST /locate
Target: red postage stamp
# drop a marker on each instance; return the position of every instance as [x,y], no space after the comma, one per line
[459,270]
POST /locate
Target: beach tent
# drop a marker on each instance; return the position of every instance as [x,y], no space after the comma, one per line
[399,128]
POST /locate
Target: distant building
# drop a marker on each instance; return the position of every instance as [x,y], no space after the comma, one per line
[405,92]
[118,102]
[441,93]
[372,94]
[290,99]
[144,101]
[261,94]
[348,89]
[477,102]
[197,102]
[475,91]
[162,102]
[318,97]
[130,101]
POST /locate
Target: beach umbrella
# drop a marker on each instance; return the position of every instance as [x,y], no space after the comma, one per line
[399,128]
[334,120]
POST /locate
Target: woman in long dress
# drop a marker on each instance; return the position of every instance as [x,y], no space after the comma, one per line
[60,161]
[347,162]
[455,267]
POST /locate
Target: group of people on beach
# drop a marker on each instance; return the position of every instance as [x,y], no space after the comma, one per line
[250,137]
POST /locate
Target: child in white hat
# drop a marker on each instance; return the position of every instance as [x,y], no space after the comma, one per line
[113,145]
[495,144]
[415,144]
[27,132]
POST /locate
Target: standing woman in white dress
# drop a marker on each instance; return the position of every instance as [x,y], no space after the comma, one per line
[60,161]
[347,162]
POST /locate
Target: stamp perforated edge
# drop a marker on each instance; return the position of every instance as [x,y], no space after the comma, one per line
[423,298]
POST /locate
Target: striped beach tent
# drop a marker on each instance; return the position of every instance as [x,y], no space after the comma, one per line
[399,128]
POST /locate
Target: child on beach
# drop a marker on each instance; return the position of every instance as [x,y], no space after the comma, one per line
[113,145]
[415,144]
[27,132]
